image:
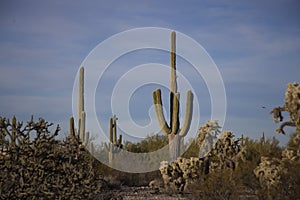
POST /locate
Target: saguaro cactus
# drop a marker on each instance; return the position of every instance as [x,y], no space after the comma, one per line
[175,134]
[115,144]
[83,136]
[81,113]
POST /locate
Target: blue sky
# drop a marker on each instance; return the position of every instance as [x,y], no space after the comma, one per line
[255,44]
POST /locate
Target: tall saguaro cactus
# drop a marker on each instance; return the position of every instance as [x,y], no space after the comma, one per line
[83,136]
[81,113]
[115,144]
[175,133]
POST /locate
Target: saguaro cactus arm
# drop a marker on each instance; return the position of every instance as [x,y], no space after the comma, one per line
[86,139]
[159,111]
[111,135]
[72,128]
[120,141]
[115,141]
[188,114]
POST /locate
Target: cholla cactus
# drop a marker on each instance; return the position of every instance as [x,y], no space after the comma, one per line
[291,105]
[227,145]
[268,172]
[207,136]
[290,155]
[228,150]
[277,174]
[35,165]
[181,174]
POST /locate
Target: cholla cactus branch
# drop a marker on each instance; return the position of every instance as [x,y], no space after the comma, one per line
[292,106]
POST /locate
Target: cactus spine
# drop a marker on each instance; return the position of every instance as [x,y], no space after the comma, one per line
[175,134]
[115,144]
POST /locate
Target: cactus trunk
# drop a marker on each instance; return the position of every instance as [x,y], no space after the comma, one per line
[81,92]
[174,96]
[81,114]
[84,137]
[174,146]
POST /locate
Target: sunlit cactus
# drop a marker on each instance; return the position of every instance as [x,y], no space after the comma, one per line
[292,106]
[228,150]
[268,172]
[207,136]
[81,113]
[180,175]
[173,130]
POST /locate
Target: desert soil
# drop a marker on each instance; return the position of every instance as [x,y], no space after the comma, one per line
[130,193]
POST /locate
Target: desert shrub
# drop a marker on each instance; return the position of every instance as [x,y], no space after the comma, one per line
[116,178]
[34,165]
[192,149]
[255,149]
[279,177]
[218,185]
[150,144]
